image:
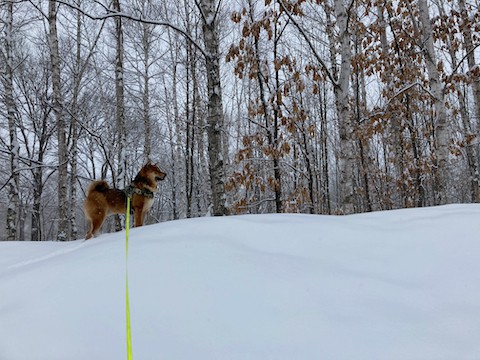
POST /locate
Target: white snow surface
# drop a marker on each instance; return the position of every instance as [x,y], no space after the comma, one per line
[402,284]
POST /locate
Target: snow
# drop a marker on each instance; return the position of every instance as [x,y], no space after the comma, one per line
[401,284]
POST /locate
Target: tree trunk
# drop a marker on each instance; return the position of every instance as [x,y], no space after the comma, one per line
[363,138]
[325,159]
[62,231]
[342,102]
[121,176]
[270,118]
[309,170]
[9,100]
[191,114]
[441,127]
[276,109]
[36,210]
[120,99]
[173,170]
[74,132]
[38,181]
[215,117]
[147,123]
[175,131]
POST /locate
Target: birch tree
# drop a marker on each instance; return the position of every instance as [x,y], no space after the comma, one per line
[192,107]
[147,63]
[120,99]
[442,136]
[74,128]
[57,106]
[7,79]
[209,11]
[342,102]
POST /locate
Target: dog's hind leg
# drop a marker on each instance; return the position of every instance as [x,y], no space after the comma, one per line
[95,224]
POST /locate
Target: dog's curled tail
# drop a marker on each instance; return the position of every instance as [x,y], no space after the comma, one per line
[99,186]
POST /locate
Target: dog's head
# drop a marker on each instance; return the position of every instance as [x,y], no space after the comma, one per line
[153,170]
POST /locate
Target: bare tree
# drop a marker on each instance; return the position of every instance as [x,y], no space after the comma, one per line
[120,98]
[62,232]
[209,10]
[121,175]
[192,111]
[147,121]
[74,128]
[14,149]
[442,136]
[342,101]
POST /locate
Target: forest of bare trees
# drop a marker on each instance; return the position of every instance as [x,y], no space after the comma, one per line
[249,106]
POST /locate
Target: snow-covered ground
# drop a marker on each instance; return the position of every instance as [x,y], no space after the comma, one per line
[401,284]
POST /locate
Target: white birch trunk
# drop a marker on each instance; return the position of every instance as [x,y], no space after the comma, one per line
[442,136]
[7,79]
[62,232]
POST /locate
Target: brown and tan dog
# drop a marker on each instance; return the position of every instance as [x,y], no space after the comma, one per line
[102,201]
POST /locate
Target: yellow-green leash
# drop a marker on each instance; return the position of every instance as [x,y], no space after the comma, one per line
[129,331]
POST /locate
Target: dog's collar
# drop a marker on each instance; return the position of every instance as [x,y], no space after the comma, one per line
[130,190]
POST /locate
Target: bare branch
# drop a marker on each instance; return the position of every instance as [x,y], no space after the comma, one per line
[454,71]
[112,14]
[396,95]
[310,45]
[202,13]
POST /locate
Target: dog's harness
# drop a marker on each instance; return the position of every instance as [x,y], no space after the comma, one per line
[130,190]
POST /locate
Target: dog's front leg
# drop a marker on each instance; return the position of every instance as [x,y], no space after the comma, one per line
[138,216]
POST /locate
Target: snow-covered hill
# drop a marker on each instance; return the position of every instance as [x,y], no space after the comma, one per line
[390,285]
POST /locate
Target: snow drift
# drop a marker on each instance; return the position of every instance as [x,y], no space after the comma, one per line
[401,284]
